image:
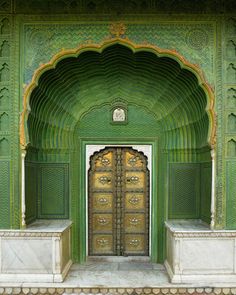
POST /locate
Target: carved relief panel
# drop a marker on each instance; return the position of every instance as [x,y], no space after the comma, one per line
[231,26]
[231,98]
[4,122]
[231,74]
[231,148]
[230,101]
[231,49]
[232,122]
[5,26]
[5,49]
[4,85]
[118,203]
[4,146]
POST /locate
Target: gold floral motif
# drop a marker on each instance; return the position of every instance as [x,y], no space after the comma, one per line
[117,29]
[104,180]
[132,179]
[134,242]
[134,200]
[133,160]
[134,221]
[103,201]
[103,221]
[104,161]
[102,242]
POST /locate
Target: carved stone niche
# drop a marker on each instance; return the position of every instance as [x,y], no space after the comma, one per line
[231,48]
[231,98]
[4,98]
[5,27]
[5,49]
[4,73]
[231,73]
[4,122]
[232,122]
[4,147]
[231,26]
[231,148]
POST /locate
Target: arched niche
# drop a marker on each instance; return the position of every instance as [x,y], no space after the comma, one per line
[72,100]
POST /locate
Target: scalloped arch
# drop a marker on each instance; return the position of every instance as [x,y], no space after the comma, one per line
[99,48]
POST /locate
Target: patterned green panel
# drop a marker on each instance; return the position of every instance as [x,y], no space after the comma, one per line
[31,191]
[4,194]
[5,6]
[53,193]
[184,182]
[206,179]
[231,194]
[97,123]
[122,6]
[195,41]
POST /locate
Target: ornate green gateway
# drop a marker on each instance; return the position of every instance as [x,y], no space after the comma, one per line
[67,65]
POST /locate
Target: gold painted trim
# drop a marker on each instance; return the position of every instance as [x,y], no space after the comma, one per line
[65,53]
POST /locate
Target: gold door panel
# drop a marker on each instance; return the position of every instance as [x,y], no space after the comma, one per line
[133,160]
[102,222]
[134,201]
[135,244]
[134,223]
[102,244]
[102,180]
[101,201]
[105,160]
[118,203]
[135,180]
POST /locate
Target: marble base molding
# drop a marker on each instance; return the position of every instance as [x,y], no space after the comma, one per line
[117,291]
[196,254]
[40,253]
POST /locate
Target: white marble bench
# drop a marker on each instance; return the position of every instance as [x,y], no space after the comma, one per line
[196,254]
[40,253]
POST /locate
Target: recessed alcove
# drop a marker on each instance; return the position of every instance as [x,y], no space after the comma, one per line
[72,107]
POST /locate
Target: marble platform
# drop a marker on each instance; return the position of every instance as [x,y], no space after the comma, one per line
[196,254]
[117,275]
[39,257]
[40,253]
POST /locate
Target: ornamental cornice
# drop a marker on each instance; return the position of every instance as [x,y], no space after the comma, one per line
[27,234]
[207,234]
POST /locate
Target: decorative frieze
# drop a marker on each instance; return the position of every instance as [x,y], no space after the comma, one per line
[120,7]
[27,234]
[207,234]
[175,290]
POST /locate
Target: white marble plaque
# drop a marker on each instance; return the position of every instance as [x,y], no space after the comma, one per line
[119,115]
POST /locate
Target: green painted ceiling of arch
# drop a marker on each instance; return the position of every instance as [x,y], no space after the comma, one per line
[156,84]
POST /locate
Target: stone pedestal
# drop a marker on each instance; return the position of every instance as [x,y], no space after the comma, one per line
[41,253]
[196,254]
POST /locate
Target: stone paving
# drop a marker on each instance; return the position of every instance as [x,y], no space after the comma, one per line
[115,278]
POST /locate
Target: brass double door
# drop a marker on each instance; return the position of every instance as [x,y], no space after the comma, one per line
[118,203]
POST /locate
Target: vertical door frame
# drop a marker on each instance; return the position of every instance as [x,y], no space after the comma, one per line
[80,221]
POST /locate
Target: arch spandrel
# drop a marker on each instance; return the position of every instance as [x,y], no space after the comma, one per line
[135,48]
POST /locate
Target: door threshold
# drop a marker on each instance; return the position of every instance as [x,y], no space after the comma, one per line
[118,259]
